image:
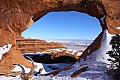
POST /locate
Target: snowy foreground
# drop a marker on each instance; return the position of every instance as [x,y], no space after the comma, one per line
[4,49]
[96,70]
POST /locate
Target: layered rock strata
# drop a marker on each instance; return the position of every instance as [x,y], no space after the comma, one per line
[35,45]
[18,15]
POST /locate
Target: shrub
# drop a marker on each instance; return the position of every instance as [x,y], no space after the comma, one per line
[114,54]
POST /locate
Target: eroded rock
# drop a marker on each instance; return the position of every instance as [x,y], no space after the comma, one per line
[30,45]
[18,15]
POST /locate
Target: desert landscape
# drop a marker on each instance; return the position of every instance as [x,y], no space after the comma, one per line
[37,59]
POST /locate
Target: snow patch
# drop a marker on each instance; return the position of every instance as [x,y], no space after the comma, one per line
[100,54]
[27,70]
[54,50]
[4,49]
[102,19]
[39,66]
[88,50]
[79,53]
[118,27]
[18,68]
[68,51]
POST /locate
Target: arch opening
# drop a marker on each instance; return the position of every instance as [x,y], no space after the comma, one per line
[76,31]
[70,25]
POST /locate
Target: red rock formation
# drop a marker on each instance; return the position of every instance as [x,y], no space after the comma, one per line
[75,74]
[81,50]
[53,45]
[18,15]
[93,47]
[10,58]
[62,52]
[35,45]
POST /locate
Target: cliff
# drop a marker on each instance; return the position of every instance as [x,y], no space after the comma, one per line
[35,45]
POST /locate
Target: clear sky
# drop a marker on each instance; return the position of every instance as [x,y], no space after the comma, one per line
[64,25]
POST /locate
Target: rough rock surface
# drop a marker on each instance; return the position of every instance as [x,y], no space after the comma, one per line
[35,45]
[93,47]
[18,15]
[10,58]
[62,52]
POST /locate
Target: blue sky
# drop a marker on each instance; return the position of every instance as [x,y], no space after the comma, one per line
[64,25]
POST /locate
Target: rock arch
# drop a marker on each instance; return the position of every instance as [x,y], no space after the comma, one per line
[18,15]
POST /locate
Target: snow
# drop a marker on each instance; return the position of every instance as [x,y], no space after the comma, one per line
[10,78]
[27,70]
[57,40]
[70,71]
[18,68]
[4,49]
[102,19]
[44,78]
[88,50]
[118,27]
[39,66]
[54,50]
[45,67]
[96,70]
[97,66]
[69,51]
[100,54]
[79,53]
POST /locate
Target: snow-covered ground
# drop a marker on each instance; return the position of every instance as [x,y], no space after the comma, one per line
[68,51]
[96,70]
[75,44]
[97,65]
[4,49]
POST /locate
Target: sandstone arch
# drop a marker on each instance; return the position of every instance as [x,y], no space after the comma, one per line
[18,15]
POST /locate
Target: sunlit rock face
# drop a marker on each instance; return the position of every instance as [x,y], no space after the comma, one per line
[30,45]
[17,15]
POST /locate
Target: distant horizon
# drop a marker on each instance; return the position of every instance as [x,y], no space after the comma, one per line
[55,39]
[54,26]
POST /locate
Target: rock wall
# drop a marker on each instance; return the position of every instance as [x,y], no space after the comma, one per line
[35,45]
[10,58]
[18,15]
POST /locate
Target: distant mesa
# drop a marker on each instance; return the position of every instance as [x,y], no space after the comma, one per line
[30,45]
[52,52]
